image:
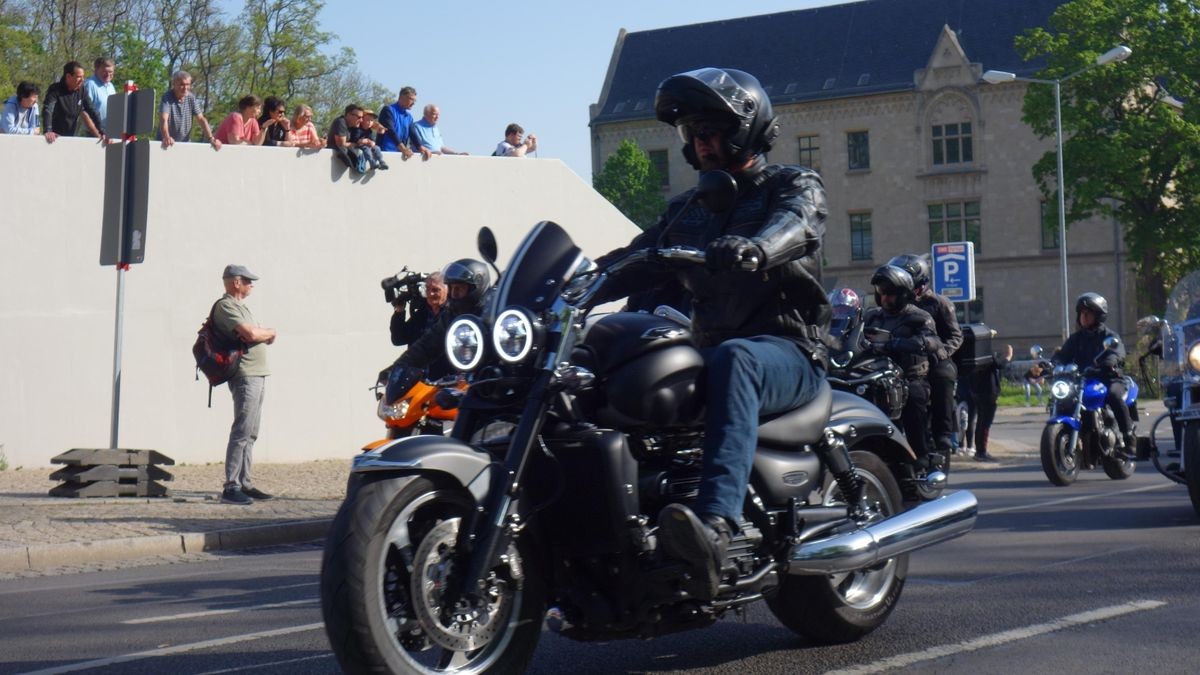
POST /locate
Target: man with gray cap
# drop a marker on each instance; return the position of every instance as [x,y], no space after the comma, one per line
[235,323]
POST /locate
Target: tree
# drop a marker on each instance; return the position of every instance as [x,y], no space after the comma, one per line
[1131,131]
[630,181]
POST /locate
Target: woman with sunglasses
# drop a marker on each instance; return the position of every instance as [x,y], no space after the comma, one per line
[275,128]
[304,131]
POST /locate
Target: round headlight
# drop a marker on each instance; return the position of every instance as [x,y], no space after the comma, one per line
[1194,356]
[1060,389]
[512,335]
[464,343]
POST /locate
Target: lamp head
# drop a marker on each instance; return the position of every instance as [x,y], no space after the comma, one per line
[1114,55]
[998,77]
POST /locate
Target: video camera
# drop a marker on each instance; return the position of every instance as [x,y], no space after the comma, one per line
[403,286]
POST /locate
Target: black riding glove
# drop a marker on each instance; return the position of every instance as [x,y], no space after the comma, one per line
[906,346]
[732,253]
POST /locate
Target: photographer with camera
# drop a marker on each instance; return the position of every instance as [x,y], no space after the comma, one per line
[416,299]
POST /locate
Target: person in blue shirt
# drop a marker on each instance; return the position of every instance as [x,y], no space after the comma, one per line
[397,122]
[429,136]
[20,115]
[99,87]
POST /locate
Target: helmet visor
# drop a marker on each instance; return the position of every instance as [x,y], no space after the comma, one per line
[726,87]
[704,128]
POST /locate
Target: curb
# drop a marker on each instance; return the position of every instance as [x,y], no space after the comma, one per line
[39,556]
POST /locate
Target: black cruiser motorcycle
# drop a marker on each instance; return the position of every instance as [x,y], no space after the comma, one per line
[450,553]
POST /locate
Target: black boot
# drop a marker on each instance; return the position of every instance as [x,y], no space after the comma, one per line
[701,543]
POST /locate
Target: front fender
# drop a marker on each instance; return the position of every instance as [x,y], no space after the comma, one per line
[854,419]
[416,455]
[1064,419]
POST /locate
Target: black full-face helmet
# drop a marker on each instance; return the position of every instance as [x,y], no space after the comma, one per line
[916,266]
[731,100]
[893,280]
[1094,302]
[471,273]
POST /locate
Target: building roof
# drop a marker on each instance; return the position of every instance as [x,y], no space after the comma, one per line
[854,49]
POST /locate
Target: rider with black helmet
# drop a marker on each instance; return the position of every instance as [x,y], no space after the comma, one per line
[1086,344]
[942,372]
[467,281]
[910,339]
[757,311]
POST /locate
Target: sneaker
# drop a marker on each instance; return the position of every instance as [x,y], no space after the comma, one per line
[383,165]
[700,544]
[256,494]
[235,496]
[985,457]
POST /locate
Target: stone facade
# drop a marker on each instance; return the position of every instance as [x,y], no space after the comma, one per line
[1018,278]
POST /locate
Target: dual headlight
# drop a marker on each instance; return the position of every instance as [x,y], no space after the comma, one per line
[1060,389]
[1193,356]
[515,335]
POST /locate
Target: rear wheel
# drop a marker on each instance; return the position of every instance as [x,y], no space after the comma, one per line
[1060,460]
[844,607]
[1191,461]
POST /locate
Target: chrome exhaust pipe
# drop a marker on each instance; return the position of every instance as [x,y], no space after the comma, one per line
[925,525]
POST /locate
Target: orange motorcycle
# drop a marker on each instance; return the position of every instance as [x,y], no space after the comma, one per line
[416,412]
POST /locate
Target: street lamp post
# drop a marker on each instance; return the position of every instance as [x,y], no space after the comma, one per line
[1114,55]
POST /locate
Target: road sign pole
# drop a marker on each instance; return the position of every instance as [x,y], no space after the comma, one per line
[117,338]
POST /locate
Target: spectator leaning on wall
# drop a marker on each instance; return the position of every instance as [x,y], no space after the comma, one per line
[20,115]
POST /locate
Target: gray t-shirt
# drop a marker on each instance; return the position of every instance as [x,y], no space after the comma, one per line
[228,314]
[179,115]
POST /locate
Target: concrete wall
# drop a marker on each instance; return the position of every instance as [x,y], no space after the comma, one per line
[320,238]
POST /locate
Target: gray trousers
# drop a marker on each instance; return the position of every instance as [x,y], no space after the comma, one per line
[247,412]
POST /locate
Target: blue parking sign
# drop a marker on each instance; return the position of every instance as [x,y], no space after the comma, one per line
[954,270]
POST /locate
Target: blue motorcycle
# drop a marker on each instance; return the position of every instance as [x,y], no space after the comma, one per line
[1082,432]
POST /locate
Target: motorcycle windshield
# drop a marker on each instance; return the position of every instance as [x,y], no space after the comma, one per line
[544,261]
[1181,329]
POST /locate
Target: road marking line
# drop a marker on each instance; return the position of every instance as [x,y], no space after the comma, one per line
[1066,500]
[176,649]
[264,665]
[215,612]
[903,660]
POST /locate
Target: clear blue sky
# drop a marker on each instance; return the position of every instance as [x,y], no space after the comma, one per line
[539,63]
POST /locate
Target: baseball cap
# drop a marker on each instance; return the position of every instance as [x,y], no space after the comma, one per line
[239,271]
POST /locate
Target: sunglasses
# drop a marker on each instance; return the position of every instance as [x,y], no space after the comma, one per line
[702,130]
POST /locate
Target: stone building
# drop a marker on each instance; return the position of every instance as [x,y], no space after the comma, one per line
[884,98]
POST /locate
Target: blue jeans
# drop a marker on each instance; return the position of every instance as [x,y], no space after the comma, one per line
[746,378]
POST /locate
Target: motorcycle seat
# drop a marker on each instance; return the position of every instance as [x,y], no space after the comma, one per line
[796,428]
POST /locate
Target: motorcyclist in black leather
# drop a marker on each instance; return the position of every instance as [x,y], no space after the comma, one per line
[467,282]
[942,372]
[910,339]
[758,313]
[1086,344]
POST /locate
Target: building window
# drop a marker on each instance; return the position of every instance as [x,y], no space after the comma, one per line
[860,236]
[952,144]
[1049,228]
[659,159]
[810,152]
[955,221]
[970,312]
[858,148]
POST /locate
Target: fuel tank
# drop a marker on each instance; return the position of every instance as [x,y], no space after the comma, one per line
[649,368]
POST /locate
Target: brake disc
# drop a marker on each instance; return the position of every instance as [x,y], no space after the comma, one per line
[469,625]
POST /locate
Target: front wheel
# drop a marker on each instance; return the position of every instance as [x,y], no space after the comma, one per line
[842,608]
[1191,461]
[389,554]
[1120,465]
[1060,460]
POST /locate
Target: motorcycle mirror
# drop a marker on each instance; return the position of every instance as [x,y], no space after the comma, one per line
[1112,342]
[1149,323]
[486,242]
[1035,351]
[717,190]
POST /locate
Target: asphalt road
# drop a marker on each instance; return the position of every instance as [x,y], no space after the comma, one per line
[1097,577]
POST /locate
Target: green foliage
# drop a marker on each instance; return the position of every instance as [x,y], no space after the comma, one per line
[630,181]
[1131,148]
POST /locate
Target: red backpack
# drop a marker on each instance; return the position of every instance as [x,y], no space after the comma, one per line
[216,356]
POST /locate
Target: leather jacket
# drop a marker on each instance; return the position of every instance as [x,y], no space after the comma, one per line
[1084,345]
[942,310]
[914,337]
[781,209]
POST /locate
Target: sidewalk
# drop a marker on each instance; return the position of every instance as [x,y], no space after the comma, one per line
[38,531]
